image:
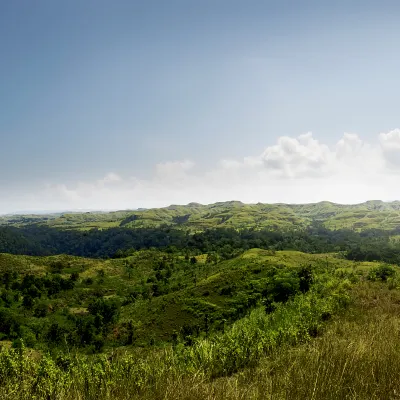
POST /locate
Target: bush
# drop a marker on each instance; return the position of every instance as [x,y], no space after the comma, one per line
[381,273]
[306,278]
[107,309]
[89,281]
[40,310]
[282,287]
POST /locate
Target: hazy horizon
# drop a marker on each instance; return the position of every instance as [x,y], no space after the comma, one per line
[82,211]
[124,104]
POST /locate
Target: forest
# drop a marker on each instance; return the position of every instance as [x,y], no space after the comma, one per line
[368,245]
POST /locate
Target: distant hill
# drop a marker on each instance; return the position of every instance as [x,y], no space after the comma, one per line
[231,214]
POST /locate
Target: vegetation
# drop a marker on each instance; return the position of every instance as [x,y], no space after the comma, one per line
[161,312]
[340,340]
[196,217]
[296,318]
[220,243]
[146,299]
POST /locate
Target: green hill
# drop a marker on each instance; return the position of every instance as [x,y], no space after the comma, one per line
[223,313]
[197,217]
[265,324]
[159,295]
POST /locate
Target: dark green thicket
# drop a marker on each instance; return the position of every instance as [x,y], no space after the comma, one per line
[368,245]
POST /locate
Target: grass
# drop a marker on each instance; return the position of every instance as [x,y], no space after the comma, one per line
[357,357]
[232,214]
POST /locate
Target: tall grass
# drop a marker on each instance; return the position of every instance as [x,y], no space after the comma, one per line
[292,353]
[358,357]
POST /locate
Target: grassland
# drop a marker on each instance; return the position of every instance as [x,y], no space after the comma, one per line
[232,214]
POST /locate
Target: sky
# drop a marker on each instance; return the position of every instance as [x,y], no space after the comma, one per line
[121,104]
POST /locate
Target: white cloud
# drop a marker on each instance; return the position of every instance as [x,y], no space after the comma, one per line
[391,140]
[297,157]
[174,170]
[111,177]
[390,144]
[349,145]
[295,169]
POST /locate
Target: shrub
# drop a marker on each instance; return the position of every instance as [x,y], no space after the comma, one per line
[306,278]
[282,287]
[107,309]
[381,273]
[40,310]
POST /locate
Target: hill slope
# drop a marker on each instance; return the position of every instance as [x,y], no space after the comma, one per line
[159,294]
[232,214]
[336,338]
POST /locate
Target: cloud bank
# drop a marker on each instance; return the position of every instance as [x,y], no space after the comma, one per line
[294,170]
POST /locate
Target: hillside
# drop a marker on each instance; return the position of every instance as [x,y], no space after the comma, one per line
[154,306]
[221,330]
[158,306]
[158,294]
[231,214]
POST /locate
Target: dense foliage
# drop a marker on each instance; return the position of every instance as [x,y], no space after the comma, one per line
[56,307]
[368,245]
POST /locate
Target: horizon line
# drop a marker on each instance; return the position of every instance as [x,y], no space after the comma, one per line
[110,210]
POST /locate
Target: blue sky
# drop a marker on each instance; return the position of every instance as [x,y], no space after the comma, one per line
[135,90]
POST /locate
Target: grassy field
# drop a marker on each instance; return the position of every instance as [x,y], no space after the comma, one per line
[196,217]
[356,357]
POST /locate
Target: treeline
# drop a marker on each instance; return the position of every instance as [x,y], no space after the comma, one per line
[119,242]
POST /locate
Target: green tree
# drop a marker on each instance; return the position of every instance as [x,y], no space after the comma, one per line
[107,309]
[27,302]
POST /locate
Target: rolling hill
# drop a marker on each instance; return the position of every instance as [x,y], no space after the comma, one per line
[196,217]
[159,293]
